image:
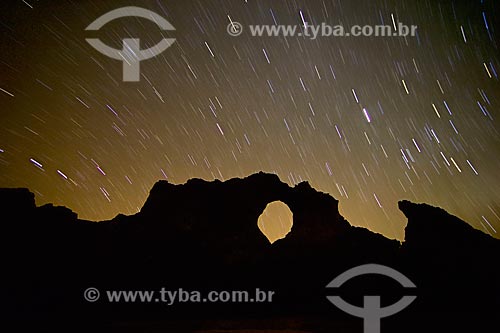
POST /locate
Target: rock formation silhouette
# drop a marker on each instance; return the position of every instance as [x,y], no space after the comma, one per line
[204,236]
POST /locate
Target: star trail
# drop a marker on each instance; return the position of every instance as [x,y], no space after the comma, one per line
[370,120]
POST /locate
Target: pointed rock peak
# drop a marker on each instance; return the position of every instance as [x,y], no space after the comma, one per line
[159,185]
[407,207]
[303,185]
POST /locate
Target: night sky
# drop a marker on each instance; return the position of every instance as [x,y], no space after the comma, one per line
[370,120]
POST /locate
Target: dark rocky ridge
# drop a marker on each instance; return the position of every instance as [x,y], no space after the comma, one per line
[204,236]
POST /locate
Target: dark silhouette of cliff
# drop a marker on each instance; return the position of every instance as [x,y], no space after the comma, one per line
[204,236]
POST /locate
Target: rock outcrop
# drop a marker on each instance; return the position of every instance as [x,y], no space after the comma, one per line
[204,236]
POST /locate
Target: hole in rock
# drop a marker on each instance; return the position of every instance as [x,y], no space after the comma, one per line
[276,221]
